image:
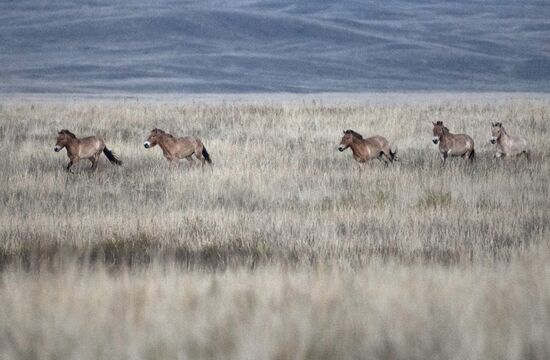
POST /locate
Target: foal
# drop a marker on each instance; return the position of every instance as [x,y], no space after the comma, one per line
[178,148]
[85,148]
[452,144]
[375,147]
[507,145]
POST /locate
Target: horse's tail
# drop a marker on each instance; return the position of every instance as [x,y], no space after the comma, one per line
[111,156]
[393,154]
[206,155]
[472,155]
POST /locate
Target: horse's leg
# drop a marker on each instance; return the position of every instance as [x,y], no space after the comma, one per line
[191,160]
[359,166]
[95,160]
[171,158]
[387,154]
[198,154]
[172,162]
[527,155]
[72,162]
[380,157]
[443,158]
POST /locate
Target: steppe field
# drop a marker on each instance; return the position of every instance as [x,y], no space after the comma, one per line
[285,248]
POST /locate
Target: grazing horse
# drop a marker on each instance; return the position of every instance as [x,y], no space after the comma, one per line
[85,148]
[178,148]
[375,147]
[452,144]
[507,145]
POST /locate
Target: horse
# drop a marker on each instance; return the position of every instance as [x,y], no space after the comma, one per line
[452,144]
[85,148]
[375,147]
[507,145]
[178,148]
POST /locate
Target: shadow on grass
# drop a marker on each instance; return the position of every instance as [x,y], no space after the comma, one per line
[118,253]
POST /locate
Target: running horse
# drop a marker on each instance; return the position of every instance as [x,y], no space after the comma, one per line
[507,145]
[452,144]
[89,148]
[175,148]
[375,147]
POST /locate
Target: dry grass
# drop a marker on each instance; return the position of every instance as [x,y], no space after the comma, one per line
[285,248]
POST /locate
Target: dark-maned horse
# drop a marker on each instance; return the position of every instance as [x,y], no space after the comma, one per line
[452,144]
[375,147]
[507,145]
[89,148]
[175,148]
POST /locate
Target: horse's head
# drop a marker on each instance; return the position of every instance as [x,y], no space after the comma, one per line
[63,137]
[153,138]
[496,132]
[438,131]
[347,139]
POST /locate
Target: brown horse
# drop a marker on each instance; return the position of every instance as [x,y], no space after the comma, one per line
[507,145]
[178,148]
[452,144]
[375,147]
[85,148]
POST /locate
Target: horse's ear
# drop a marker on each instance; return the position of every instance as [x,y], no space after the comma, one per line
[492,124]
[344,131]
[433,123]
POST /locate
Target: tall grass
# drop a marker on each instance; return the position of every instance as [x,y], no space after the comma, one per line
[285,248]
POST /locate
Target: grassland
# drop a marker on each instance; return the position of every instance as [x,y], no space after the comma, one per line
[285,248]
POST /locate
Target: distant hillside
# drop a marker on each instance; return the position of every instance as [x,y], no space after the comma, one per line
[273,46]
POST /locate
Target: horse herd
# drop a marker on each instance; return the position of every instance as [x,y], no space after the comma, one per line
[91,147]
[377,147]
[363,149]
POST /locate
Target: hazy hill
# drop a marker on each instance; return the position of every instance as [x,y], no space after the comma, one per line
[273,46]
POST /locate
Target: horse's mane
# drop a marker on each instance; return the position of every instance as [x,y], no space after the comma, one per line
[440,123]
[162,132]
[499,125]
[67,132]
[353,133]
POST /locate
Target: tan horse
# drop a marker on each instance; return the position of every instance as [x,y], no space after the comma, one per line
[375,147]
[178,148]
[86,148]
[452,144]
[507,145]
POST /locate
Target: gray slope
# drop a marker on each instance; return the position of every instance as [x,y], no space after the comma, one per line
[273,46]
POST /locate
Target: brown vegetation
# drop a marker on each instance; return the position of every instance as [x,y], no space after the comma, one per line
[286,248]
